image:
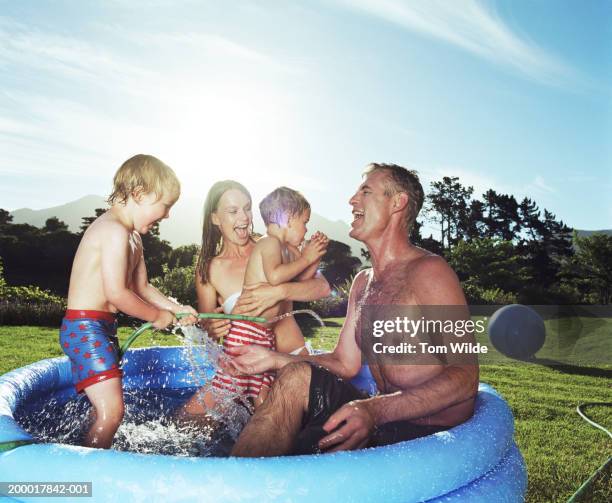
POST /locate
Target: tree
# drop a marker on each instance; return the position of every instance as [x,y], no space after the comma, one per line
[338,264]
[5,217]
[447,202]
[591,267]
[529,214]
[490,264]
[156,251]
[54,224]
[471,225]
[500,216]
[183,256]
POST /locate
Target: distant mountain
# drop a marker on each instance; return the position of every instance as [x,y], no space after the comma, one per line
[70,213]
[583,234]
[182,228]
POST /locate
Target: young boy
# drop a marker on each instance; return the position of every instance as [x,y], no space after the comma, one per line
[109,275]
[275,260]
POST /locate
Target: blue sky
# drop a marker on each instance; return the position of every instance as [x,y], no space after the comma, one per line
[513,95]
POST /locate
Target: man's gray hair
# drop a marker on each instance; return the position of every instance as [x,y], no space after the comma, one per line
[400,179]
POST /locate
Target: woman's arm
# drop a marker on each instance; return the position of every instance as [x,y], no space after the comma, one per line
[255,299]
[207,303]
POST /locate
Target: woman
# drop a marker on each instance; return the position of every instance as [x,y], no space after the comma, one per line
[227,243]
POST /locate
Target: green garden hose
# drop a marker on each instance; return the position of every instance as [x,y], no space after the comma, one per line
[7,446]
[577,496]
[207,316]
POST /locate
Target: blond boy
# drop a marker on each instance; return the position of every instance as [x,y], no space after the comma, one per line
[109,275]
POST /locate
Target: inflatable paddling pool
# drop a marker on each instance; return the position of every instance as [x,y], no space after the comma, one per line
[476,461]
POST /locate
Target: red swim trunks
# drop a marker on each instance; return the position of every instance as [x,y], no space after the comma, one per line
[244,333]
[88,338]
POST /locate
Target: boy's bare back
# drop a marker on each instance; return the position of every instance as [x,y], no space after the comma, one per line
[106,236]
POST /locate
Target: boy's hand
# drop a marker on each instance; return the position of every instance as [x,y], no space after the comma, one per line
[164,319]
[320,237]
[315,249]
[186,320]
[217,329]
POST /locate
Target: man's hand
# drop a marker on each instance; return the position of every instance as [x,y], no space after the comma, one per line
[217,329]
[164,319]
[255,299]
[356,420]
[251,359]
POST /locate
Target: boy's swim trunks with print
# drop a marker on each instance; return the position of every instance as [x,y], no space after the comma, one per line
[89,340]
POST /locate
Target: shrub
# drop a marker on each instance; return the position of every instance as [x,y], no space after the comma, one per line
[178,283]
[334,305]
[477,295]
[29,305]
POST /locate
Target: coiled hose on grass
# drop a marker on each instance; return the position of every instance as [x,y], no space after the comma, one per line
[589,482]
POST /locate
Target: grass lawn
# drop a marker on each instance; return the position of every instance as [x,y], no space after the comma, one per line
[561,450]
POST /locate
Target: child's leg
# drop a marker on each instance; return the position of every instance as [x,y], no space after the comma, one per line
[106,398]
[291,337]
[200,403]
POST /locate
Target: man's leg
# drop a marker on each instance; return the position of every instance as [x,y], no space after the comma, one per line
[273,428]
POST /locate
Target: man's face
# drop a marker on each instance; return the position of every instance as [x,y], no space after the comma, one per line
[371,207]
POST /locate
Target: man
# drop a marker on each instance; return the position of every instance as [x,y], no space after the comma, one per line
[311,408]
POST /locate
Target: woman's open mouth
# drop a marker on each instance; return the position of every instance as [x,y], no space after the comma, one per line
[242,231]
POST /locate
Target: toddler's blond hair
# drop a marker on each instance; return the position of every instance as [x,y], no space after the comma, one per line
[146,173]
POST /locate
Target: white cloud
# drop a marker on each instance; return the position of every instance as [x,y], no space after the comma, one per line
[539,185]
[471,26]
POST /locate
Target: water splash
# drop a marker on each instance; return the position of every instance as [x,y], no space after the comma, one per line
[149,424]
[298,311]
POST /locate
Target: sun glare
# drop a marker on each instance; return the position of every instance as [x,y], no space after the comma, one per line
[231,132]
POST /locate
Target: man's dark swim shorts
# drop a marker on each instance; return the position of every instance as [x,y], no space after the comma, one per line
[328,393]
[88,339]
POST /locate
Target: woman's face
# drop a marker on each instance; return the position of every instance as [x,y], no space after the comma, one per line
[234,216]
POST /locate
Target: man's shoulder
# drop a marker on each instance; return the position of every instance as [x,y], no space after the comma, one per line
[360,280]
[362,275]
[429,263]
[435,282]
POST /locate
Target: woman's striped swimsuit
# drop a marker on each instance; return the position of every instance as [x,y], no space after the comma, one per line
[244,333]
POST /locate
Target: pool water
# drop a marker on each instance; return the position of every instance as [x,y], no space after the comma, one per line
[148,426]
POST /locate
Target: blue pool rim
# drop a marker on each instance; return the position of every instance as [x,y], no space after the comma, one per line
[475,461]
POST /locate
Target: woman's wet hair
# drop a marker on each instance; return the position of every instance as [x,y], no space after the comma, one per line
[212,239]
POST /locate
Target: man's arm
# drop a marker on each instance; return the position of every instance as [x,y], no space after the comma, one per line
[436,285]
